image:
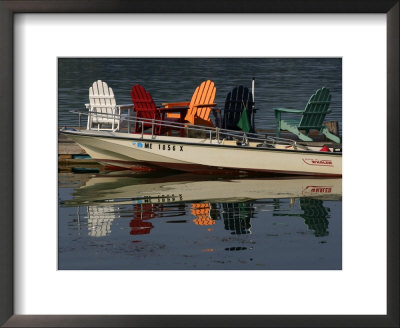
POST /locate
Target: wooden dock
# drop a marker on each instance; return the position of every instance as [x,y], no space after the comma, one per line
[70,155]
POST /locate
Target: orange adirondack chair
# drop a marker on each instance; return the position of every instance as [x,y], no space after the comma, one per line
[200,106]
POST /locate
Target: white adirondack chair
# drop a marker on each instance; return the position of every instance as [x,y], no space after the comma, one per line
[104,113]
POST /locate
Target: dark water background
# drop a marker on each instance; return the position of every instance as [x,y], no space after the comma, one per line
[261,234]
[280,82]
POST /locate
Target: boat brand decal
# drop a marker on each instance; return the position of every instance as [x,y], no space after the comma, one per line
[170,147]
[137,144]
[313,190]
[318,162]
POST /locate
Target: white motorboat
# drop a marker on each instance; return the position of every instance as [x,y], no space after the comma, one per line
[215,151]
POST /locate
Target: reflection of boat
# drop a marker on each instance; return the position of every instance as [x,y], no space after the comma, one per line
[216,150]
[146,197]
[138,189]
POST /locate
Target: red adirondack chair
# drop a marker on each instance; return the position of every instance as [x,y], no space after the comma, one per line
[146,109]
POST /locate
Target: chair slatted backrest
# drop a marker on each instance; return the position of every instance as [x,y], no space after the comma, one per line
[204,94]
[102,103]
[143,103]
[316,109]
[235,102]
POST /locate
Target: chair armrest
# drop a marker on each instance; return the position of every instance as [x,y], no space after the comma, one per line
[125,106]
[176,104]
[288,110]
[172,109]
[205,105]
[88,106]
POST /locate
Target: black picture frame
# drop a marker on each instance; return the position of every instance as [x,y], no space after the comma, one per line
[10,7]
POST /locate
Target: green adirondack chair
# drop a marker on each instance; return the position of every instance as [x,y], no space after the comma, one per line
[312,117]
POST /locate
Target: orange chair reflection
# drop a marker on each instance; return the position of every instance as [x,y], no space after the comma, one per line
[202,213]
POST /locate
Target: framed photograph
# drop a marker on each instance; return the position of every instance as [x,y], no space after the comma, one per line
[273,251]
[173,180]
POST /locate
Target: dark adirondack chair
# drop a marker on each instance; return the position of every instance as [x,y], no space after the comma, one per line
[145,108]
[236,100]
[312,117]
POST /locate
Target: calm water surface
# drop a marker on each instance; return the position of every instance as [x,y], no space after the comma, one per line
[280,82]
[125,220]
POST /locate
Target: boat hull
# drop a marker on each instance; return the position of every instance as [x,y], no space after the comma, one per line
[201,155]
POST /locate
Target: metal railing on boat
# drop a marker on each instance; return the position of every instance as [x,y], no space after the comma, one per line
[213,133]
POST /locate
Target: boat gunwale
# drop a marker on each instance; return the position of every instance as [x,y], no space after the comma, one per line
[83,133]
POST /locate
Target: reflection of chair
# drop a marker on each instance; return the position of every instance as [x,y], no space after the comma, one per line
[201,104]
[146,109]
[142,212]
[202,213]
[312,117]
[314,213]
[103,111]
[315,216]
[100,219]
[140,227]
[236,100]
[237,217]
